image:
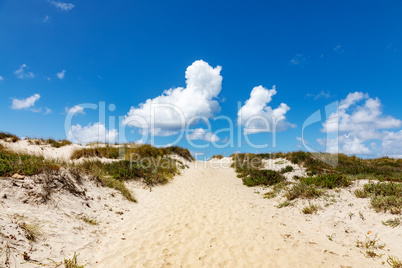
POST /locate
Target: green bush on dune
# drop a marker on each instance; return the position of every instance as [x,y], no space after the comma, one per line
[263,177]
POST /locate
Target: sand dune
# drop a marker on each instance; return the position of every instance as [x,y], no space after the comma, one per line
[207,218]
[204,217]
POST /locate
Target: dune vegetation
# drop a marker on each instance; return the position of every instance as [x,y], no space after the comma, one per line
[131,152]
[218,156]
[144,163]
[327,171]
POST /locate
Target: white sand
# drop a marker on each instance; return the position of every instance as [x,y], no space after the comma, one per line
[205,217]
[47,151]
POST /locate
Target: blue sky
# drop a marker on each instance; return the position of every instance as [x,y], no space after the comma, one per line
[125,52]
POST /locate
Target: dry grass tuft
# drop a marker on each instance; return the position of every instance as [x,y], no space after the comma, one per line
[310,209]
[32,231]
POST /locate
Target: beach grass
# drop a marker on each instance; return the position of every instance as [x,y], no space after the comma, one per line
[385,196]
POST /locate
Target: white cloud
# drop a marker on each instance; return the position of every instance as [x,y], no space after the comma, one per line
[21,73]
[92,133]
[75,110]
[47,111]
[392,144]
[1,78]
[25,103]
[62,5]
[61,74]
[362,120]
[256,116]
[168,113]
[202,134]
[357,124]
[298,59]
[45,18]
[321,95]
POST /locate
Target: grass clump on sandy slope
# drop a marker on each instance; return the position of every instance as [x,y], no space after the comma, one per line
[32,231]
[89,220]
[384,169]
[58,143]
[51,142]
[286,169]
[276,189]
[310,209]
[394,262]
[311,187]
[73,262]
[23,164]
[392,222]
[106,152]
[218,156]
[385,196]
[248,167]
[369,246]
[8,137]
[263,177]
[149,151]
[151,171]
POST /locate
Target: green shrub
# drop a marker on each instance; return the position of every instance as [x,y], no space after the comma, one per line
[286,169]
[329,181]
[303,190]
[219,156]
[263,177]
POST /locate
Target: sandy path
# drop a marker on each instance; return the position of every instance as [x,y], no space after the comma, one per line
[207,218]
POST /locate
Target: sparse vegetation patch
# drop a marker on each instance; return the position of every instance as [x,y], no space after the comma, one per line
[385,196]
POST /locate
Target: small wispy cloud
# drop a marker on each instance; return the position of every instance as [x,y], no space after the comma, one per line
[29,102]
[21,74]
[47,111]
[45,19]
[298,59]
[61,74]
[75,110]
[62,5]
[1,78]
[322,95]
[338,49]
